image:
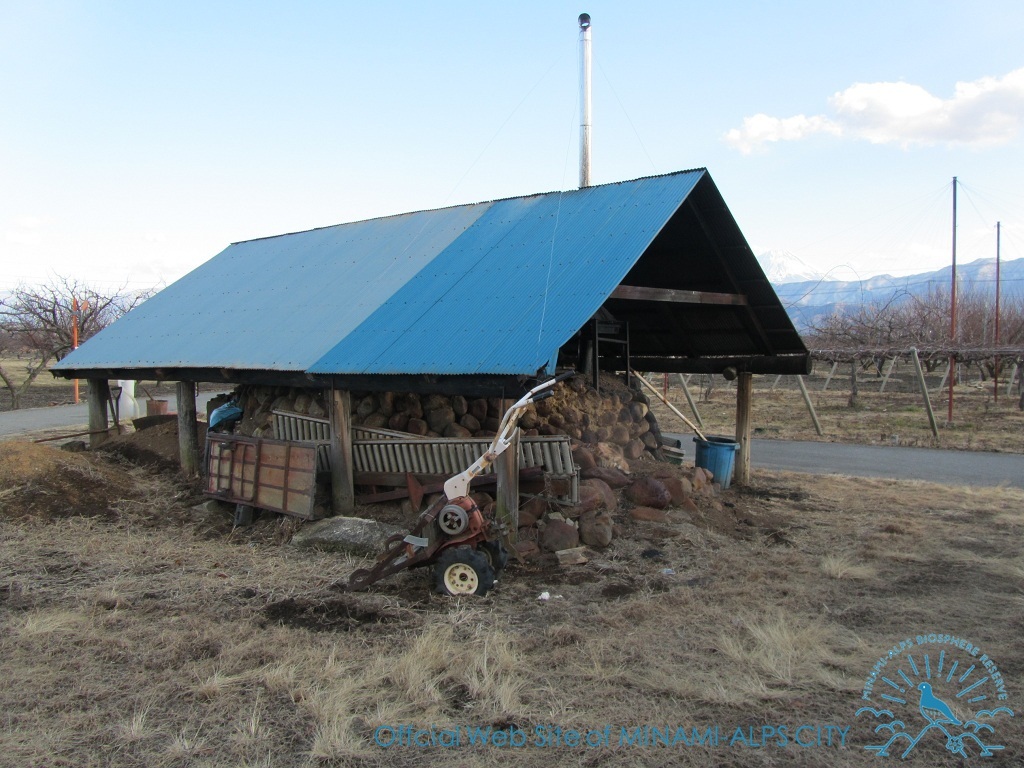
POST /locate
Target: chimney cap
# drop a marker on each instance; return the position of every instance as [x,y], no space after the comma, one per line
[584,20]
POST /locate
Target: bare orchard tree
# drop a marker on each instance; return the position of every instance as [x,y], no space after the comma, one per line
[36,325]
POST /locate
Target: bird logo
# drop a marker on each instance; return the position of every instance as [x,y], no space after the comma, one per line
[933,709]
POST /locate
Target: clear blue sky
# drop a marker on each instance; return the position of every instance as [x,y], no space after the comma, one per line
[139,139]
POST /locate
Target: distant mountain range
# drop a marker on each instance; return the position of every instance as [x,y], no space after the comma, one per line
[808,296]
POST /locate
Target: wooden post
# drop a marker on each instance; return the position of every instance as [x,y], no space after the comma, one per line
[885,378]
[98,395]
[831,373]
[507,470]
[945,376]
[188,429]
[744,409]
[924,392]
[343,495]
[1009,384]
[776,382]
[689,400]
[810,405]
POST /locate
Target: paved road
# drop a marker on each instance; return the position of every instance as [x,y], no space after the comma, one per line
[937,466]
[69,418]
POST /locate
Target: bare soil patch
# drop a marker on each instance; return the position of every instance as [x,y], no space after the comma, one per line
[138,630]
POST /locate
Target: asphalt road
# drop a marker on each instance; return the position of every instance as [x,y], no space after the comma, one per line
[69,418]
[975,468]
[937,466]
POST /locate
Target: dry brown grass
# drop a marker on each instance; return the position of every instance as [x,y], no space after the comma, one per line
[160,637]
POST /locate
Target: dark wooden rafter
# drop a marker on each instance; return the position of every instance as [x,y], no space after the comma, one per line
[644,293]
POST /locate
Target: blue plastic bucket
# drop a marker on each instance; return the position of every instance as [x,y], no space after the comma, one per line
[718,456]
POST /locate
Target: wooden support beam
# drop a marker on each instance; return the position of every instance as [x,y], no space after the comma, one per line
[98,396]
[188,430]
[945,376]
[644,293]
[507,470]
[342,490]
[744,410]
[1009,384]
[810,405]
[831,373]
[689,400]
[924,393]
[888,372]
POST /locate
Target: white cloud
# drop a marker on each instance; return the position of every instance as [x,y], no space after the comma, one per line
[981,113]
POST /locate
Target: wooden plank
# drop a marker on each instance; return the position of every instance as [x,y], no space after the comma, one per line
[342,490]
[98,396]
[809,404]
[507,471]
[188,429]
[924,393]
[689,399]
[744,410]
[644,293]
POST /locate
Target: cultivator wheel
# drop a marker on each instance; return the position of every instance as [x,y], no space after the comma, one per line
[496,554]
[463,571]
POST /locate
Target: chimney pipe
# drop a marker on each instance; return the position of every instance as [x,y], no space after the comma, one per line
[585,100]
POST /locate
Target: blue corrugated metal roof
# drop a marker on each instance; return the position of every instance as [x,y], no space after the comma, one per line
[492,288]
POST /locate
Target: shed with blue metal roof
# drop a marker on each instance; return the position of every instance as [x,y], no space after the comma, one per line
[473,298]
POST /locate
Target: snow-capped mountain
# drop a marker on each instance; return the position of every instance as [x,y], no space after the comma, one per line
[813,298]
[783,267]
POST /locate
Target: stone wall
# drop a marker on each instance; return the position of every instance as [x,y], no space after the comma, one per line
[617,422]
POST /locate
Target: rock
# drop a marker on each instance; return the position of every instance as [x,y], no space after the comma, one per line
[678,516]
[346,534]
[689,506]
[603,433]
[610,455]
[435,402]
[302,402]
[589,436]
[416,427]
[615,478]
[410,404]
[375,421]
[648,515]
[546,429]
[634,449]
[532,511]
[607,418]
[481,499]
[469,421]
[649,492]
[590,499]
[385,403]
[556,420]
[638,410]
[596,528]
[317,410]
[571,415]
[574,556]
[438,419]
[457,430]
[366,406]
[460,405]
[529,420]
[608,499]
[74,446]
[677,487]
[619,435]
[478,409]
[583,458]
[527,549]
[650,440]
[558,535]
[491,424]
[398,421]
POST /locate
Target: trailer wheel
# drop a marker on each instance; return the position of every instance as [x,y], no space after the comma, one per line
[463,571]
[496,554]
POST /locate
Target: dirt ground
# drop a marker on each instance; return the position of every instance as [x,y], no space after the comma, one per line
[141,630]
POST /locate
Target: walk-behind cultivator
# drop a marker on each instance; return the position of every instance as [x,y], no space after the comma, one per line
[462,543]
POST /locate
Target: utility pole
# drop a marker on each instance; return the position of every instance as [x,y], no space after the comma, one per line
[952,316]
[995,368]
